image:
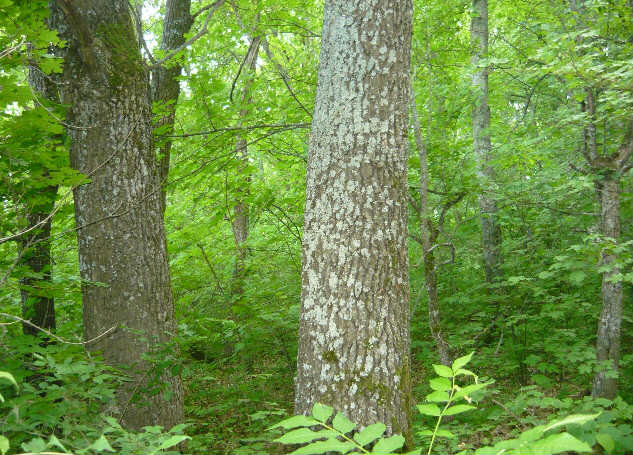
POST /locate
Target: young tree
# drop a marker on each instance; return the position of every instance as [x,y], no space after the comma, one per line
[121,237]
[354,323]
[490,229]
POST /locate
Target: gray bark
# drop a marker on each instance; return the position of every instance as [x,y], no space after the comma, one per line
[354,323]
[490,229]
[608,336]
[165,84]
[120,234]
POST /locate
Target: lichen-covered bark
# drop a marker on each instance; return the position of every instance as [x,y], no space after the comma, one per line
[608,336]
[490,229]
[354,324]
[120,232]
[165,84]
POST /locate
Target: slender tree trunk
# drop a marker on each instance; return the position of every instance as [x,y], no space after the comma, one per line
[120,232]
[490,229]
[240,220]
[429,237]
[165,84]
[354,324]
[608,336]
[35,248]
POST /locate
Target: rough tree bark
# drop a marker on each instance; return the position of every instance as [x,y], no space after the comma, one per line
[354,324]
[165,84]
[490,229]
[120,232]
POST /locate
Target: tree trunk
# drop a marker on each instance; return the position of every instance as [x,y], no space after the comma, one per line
[608,337]
[242,189]
[35,249]
[120,232]
[429,236]
[354,324]
[165,83]
[490,230]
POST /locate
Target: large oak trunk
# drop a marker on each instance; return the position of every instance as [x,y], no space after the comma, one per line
[121,237]
[354,325]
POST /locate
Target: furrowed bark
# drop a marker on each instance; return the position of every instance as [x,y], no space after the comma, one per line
[120,232]
[354,324]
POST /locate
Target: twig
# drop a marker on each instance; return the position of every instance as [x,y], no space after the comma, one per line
[49,333]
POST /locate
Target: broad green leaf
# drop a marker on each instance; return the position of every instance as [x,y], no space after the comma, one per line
[35,445]
[463,372]
[560,442]
[437,397]
[443,371]
[343,424]
[171,442]
[321,412]
[294,422]
[606,441]
[440,433]
[576,418]
[4,445]
[54,442]
[9,377]
[101,445]
[458,409]
[370,433]
[303,435]
[388,445]
[460,362]
[320,447]
[429,409]
[469,389]
[440,384]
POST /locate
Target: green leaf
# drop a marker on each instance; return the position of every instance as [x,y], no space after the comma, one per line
[429,409]
[460,362]
[9,377]
[35,445]
[469,389]
[443,371]
[440,384]
[370,433]
[458,409]
[440,433]
[579,419]
[321,447]
[437,397]
[303,435]
[606,441]
[101,445]
[343,424]
[463,372]
[4,445]
[171,442]
[321,412]
[294,422]
[560,442]
[54,442]
[388,445]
